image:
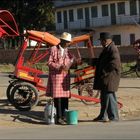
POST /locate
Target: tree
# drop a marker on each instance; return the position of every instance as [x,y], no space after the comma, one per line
[46,13]
[31,14]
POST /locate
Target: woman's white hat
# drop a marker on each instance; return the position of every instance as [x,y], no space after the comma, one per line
[66,36]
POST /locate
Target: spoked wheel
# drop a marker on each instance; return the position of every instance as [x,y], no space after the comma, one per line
[138,70]
[24,96]
[87,90]
[10,88]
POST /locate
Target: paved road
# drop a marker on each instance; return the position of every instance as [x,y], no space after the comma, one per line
[115,130]
[84,130]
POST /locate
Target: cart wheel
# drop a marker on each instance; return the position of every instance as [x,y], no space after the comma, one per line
[138,70]
[24,96]
[87,90]
[10,88]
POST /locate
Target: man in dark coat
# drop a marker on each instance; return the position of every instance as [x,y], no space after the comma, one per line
[107,78]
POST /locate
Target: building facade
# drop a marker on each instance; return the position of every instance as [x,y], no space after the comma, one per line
[119,17]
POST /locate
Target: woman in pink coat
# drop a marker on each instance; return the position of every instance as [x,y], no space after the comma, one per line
[60,61]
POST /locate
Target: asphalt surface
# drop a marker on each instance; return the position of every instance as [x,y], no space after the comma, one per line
[120,130]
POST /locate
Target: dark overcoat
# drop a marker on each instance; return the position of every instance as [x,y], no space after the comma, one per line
[108,69]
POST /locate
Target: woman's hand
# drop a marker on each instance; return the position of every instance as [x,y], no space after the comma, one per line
[79,61]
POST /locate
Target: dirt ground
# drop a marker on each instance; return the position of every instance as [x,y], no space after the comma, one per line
[128,94]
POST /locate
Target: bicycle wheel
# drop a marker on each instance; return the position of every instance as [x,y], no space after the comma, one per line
[24,96]
[138,70]
[87,90]
[10,88]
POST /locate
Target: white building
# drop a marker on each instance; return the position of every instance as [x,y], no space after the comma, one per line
[120,17]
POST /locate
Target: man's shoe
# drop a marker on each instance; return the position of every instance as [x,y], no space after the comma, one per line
[96,119]
[114,120]
[103,120]
[100,120]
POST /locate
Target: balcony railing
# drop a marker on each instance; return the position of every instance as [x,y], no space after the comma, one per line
[101,22]
[128,19]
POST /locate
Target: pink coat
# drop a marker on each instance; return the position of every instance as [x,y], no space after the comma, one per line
[58,80]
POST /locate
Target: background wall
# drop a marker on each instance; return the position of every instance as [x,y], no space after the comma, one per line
[128,54]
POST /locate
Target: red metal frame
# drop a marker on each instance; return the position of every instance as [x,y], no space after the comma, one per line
[27,73]
[8,25]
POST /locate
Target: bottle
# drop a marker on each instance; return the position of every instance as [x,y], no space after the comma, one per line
[50,112]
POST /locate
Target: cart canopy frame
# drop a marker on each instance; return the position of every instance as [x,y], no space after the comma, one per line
[8,26]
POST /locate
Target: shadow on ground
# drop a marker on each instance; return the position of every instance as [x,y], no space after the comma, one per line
[33,116]
[30,117]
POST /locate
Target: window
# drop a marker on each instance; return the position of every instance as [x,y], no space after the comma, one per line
[104,10]
[94,11]
[80,13]
[132,38]
[121,8]
[117,39]
[71,17]
[59,18]
[133,7]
